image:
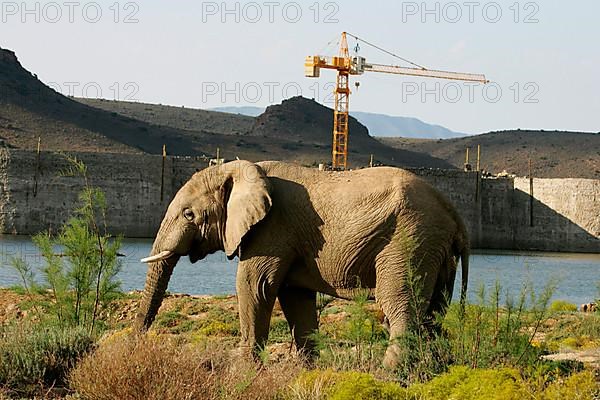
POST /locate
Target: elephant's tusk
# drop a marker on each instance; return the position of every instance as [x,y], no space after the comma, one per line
[163,255]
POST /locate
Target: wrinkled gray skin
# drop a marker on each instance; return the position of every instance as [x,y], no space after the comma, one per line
[299,231]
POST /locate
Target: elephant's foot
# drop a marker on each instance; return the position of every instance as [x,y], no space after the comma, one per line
[246,352]
[307,355]
[392,356]
[241,351]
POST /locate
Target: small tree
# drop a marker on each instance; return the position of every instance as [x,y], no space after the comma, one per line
[81,261]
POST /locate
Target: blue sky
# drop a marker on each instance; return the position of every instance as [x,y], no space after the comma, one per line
[542,57]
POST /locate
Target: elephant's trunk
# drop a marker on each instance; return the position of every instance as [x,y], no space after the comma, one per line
[157,280]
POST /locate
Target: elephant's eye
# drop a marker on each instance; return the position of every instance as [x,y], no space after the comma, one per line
[188,214]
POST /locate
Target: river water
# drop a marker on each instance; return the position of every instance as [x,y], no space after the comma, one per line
[577,276]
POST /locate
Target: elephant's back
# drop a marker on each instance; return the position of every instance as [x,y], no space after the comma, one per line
[346,180]
[388,188]
[385,189]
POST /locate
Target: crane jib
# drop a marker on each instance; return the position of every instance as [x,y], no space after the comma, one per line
[429,73]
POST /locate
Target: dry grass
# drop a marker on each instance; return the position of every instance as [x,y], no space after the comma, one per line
[158,368]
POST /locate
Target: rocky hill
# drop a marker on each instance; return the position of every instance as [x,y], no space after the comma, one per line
[297,130]
[29,109]
[554,154]
[189,119]
[304,122]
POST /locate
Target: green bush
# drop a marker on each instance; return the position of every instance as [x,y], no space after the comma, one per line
[562,306]
[331,385]
[422,357]
[361,386]
[577,330]
[32,356]
[71,304]
[487,334]
[279,331]
[464,383]
[579,386]
[81,279]
[169,319]
[460,382]
[357,343]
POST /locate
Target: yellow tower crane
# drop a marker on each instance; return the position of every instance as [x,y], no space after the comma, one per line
[346,66]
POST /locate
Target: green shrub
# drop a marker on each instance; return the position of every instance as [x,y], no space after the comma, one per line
[460,382]
[314,384]
[422,357]
[590,325]
[578,330]
[32,356]
[562,306]
[361,386]
[216,328]
[579,386]
[488,335]
[81,280]
[169,319]
[331,385]
[279,331]
[357,343]
[464,383]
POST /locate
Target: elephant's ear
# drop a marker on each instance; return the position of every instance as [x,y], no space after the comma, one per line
[246,193]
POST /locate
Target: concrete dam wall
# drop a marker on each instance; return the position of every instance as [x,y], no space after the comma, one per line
[35,194]
[501,213]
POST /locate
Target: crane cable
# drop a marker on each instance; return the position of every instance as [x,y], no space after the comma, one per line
[385,51]
[325,48]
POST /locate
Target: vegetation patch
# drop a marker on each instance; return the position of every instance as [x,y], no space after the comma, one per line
[562,306]
[33,357]
[157,368]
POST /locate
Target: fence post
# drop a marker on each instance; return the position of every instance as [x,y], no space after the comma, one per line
[478,188]
[162,173]
[530,194]
[37,167]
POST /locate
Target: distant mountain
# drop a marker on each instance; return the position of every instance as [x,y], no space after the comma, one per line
[250,111]
[379,125]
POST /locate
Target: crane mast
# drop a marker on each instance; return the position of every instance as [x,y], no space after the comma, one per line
[346,66]
[341,110]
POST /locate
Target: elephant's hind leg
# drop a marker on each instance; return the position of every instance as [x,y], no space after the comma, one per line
[300,309]
[403,297]
[441,297]
[392,295]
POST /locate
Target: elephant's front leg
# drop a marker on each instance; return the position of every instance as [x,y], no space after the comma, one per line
[300,309]
[257,284]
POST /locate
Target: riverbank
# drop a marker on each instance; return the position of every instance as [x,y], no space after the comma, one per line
[557,351]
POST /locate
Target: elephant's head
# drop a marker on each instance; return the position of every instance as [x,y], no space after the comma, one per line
[212,211]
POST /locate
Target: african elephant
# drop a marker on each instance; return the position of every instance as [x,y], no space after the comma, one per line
[298,231]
